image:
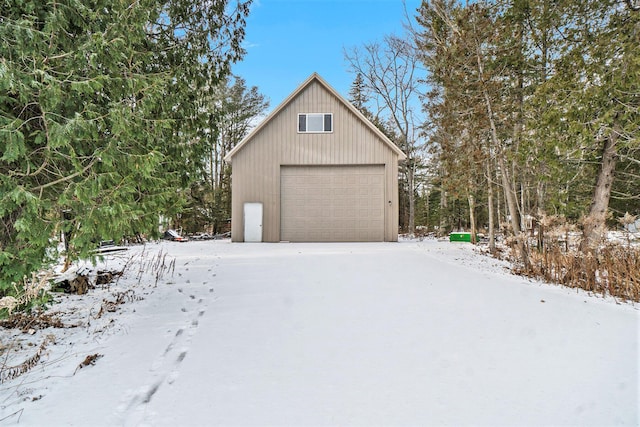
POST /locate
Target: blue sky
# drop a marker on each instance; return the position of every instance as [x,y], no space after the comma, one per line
[287,40]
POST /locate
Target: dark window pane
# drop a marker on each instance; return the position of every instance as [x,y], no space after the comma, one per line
[302,123]
[327,123]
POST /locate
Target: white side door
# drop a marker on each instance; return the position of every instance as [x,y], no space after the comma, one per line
[253,222]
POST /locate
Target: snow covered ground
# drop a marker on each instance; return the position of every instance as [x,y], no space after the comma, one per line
[410,333]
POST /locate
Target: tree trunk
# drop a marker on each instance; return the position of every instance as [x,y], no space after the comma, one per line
[443,213]
[214,153]
[427,216]
[523,218]
[472,217]
[213,166]
[510,197]
[509,193]
[595,222]
[412,200]
[498,203]
[492,231]
[221,154]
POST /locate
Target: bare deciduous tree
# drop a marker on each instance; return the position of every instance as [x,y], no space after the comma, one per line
[390,71]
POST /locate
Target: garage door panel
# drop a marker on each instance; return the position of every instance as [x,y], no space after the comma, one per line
[335,203]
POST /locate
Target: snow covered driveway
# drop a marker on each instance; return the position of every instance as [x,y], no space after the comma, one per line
[410,333]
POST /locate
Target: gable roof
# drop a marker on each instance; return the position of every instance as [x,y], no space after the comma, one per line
[315,77]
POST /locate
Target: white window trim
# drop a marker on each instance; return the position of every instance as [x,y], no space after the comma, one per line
[314,114]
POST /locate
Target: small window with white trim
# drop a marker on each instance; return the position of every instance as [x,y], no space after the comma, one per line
[315,122]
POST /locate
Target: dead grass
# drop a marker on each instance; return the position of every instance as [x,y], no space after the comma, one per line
[11,372]
[27,321]
[149,268]
[612,269]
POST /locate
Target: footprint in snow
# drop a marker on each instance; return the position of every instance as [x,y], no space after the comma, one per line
[154,388]
[169,347]
[173,376]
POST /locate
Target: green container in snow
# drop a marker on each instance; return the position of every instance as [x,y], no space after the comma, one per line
[460,237]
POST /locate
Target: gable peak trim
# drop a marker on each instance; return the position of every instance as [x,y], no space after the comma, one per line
[314,77]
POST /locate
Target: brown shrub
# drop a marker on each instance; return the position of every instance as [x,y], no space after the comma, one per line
[609,270]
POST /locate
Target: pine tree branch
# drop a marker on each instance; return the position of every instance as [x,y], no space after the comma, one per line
[65,178]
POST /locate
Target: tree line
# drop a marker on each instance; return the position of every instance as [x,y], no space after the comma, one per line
[116,114]
[513,111]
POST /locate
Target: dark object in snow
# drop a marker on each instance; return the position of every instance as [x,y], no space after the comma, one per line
[104,277]
[89,360]
[106,246]
[174,236]
[207,236]
[78,285]
[108,249]
[201,236]
[79,282]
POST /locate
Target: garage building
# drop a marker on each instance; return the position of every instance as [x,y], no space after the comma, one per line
[315,170]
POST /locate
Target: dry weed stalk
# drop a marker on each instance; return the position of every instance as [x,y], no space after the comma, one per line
[27,291]
[120,298]
[11,372]
[626,222]
[608,270]
[157,265]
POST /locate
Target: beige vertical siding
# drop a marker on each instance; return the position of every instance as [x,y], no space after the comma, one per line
[256,167]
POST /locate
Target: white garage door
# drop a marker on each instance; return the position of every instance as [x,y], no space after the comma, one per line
[332,203]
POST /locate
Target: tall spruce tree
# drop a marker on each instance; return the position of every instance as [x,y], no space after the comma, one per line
[98,117]
[358,93]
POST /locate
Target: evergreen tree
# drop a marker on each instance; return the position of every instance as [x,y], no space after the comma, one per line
[99,117]
[597,79]
[358,94]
